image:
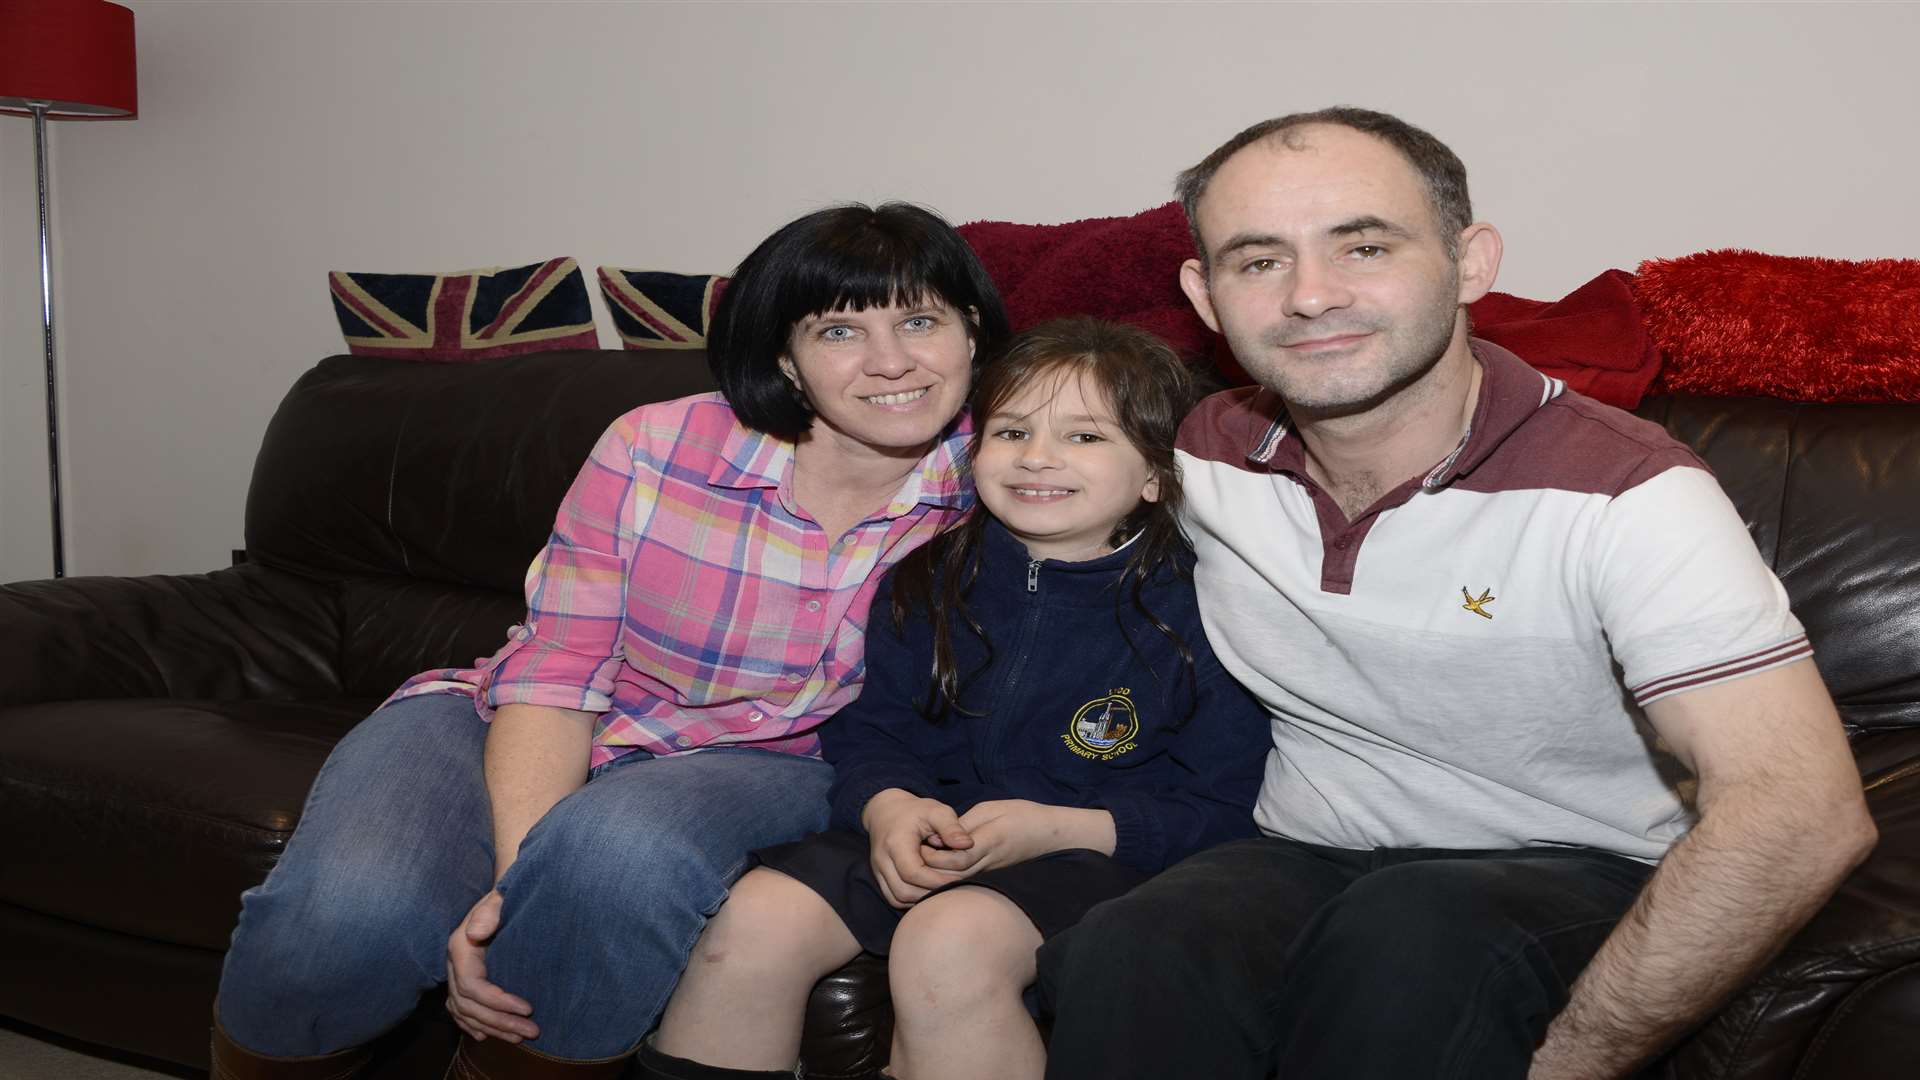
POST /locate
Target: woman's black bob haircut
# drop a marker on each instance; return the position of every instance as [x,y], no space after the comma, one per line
[853,256]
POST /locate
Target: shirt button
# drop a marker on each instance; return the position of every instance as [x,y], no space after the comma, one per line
[683,740]
[813,605]
[754,718]
[793,676]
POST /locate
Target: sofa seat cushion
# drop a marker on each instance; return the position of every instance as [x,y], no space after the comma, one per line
[149,817]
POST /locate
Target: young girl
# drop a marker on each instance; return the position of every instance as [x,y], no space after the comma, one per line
[1042,727]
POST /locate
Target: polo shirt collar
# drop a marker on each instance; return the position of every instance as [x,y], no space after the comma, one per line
[1511,390]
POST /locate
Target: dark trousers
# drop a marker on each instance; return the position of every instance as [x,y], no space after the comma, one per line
[1267,957]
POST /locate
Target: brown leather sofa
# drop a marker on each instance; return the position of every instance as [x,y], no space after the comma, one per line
[158,734]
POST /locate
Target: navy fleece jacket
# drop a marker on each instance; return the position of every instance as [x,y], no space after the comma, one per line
[1068,713]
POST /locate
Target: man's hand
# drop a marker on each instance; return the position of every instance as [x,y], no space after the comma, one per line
[482,1009]
[903,829]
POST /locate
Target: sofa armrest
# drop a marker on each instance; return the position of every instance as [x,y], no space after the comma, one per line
[243,632]
[1870,928]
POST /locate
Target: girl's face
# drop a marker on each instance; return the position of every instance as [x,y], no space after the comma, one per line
[1055,468]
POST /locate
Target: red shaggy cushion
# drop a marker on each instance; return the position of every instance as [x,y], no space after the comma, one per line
[1803,329]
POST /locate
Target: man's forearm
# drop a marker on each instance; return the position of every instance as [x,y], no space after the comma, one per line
[536,755]
[1755,868]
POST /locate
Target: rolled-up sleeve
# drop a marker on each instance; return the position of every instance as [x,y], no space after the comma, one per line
[566,654]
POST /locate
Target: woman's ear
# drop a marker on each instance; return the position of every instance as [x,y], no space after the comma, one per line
[792,373]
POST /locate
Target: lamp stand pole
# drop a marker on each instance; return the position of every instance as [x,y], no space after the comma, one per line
[39,110]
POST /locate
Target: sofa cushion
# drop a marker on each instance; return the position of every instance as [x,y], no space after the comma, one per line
[653,309]
[451,473]
[395,628]
[149,816]
[465,314]
[1798,329]
[1831,494]
[245,631]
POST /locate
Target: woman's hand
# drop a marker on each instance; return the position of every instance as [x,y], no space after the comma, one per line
[482,1009]
[903,828]
[1007,832]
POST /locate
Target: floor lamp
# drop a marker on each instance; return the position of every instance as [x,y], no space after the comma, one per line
[62,60]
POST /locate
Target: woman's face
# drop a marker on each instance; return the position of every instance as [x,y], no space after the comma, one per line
[887,379]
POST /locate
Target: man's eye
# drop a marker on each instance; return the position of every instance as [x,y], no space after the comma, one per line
[1262,266]
[1369,251]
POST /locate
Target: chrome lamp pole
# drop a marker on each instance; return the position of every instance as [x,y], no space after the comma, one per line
[39,111]
[62,60]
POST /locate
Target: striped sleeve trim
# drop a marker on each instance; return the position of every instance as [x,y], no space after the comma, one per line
[1774,656]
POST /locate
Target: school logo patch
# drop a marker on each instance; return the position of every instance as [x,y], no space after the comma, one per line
[1105,727]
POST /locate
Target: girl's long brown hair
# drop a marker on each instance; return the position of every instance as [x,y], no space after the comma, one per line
[1150,391]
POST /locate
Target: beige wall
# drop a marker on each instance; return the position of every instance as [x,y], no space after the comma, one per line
[278,141]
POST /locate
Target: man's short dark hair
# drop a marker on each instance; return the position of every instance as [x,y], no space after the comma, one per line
[1439,167]
[852,256]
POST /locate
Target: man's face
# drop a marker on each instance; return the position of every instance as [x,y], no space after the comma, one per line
[1325,269]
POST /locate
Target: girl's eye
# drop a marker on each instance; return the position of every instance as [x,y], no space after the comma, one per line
[1085,437]
[1012,434]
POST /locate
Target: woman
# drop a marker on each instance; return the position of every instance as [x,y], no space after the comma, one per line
[705,589]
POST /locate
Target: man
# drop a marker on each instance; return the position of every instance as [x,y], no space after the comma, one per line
[1554,771]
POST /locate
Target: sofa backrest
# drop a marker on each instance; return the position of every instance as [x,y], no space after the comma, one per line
[419,492]
[1831,494]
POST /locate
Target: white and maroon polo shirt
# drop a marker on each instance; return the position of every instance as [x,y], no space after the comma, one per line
[1465,665]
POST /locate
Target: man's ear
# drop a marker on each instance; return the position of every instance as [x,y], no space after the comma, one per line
[1480,249]
[1193,282]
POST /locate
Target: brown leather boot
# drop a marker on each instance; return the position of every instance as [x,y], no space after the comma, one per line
[231,1061]
[495,1059]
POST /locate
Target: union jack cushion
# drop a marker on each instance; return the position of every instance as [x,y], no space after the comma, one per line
[655,310]
[465,315]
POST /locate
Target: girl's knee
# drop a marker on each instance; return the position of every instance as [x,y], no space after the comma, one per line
[773,927]
[966,936]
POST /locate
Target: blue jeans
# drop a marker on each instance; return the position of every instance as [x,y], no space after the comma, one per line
[600,910]
[1266,957]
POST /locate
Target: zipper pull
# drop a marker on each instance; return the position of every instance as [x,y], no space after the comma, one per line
[1033,575]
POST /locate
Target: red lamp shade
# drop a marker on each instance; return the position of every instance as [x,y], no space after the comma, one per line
[75,54]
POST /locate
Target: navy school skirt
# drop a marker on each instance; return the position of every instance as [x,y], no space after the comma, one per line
[1054,890]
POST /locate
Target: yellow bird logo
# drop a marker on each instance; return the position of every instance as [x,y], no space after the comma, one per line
[1478,604]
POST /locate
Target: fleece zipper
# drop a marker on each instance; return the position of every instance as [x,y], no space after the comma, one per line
[1004,713]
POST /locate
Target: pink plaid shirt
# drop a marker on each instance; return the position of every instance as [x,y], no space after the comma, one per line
[686,599]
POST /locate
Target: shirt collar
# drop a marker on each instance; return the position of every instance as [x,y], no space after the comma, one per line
[1510,392]
[755,459]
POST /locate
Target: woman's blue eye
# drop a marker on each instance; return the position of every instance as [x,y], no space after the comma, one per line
[837,333]
[919,322]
